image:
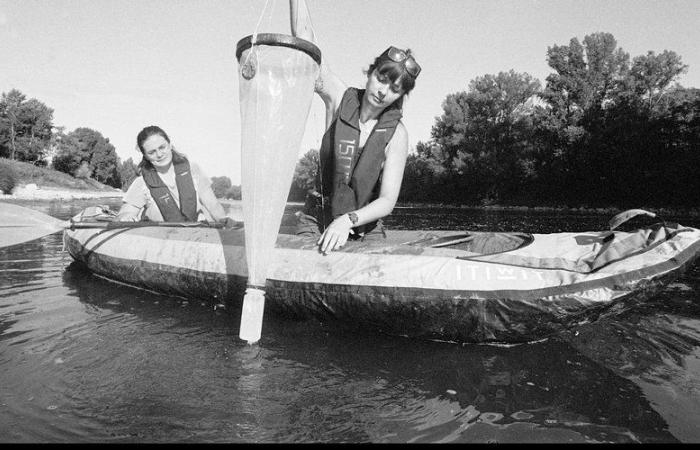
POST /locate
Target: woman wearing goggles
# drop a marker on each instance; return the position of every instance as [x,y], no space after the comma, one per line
[364,149]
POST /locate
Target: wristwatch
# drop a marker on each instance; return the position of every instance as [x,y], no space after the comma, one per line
[353,218]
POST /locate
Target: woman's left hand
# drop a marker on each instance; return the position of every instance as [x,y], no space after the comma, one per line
[229,222]
[336,234]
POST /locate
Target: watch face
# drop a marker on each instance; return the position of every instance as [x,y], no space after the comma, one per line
[353,217]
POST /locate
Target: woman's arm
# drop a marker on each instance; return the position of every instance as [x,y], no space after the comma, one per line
[328,86]
[336,235]
[392,176]
[206,195]
[134,201]
[128,213]
[211,204]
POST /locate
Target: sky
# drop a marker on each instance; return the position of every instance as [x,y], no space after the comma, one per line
[117,66]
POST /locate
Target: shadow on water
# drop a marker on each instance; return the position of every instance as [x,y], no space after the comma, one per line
[177,371]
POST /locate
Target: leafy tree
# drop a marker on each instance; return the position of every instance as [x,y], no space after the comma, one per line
[585,79]
[234,192]
[680,130]
[25,127]
[104,162]
[306,170]
[482,138]
[652,153]
[607,124]
[37,120]
[83,171]
[220,186]
[86,146]
[305,176]
[8,177]
[69,155]
[127,171]
[10,127]
[603,132]
[425,178]
[652,74]
[587,82]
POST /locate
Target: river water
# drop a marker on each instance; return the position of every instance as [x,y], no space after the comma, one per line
[83,359]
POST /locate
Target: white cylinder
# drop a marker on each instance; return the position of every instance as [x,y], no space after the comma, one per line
[252,315]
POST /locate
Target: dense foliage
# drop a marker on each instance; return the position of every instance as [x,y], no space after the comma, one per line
[25,127]
[305,175]
[223,188]
[85,153]
[127,173]
[27,134]
[8,178]
[604,131]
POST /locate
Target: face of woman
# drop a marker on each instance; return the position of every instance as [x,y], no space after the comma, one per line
[381,92]
[158,151]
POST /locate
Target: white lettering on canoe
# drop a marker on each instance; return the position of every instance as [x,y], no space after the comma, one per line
[505,273]
[472,272]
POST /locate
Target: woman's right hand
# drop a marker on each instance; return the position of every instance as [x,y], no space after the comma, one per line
[128,213]
[336,234]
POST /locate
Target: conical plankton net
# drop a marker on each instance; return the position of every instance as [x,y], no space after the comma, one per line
[276,89]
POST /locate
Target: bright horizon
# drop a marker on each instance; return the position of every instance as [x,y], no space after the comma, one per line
[118,65]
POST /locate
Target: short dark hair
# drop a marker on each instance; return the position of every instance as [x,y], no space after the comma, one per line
[394,71]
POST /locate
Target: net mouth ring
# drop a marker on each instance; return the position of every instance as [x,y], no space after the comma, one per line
[281,40]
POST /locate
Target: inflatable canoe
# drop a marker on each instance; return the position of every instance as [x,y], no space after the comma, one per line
[450,285]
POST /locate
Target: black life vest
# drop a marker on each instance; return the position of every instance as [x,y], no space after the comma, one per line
[187,212]
[350,176]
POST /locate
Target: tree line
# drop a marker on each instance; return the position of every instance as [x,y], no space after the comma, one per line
[27,133]
[604,130]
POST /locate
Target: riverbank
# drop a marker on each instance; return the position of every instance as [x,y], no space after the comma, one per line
[33,192]
[25,181]
[666,211]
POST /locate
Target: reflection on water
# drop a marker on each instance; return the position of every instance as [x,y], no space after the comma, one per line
[657,346]
[84,359]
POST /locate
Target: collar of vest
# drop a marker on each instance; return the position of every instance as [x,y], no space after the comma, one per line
[351,113]
[152,180]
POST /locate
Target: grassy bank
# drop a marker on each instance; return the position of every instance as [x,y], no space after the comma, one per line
[27,174]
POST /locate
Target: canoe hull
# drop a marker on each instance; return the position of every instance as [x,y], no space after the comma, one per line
[382,288]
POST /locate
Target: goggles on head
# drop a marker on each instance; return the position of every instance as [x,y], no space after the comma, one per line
[400,56]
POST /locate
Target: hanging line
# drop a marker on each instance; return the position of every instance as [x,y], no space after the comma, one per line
[257,27]
[316,135]
[253,50]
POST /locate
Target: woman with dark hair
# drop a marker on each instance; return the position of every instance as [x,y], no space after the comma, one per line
[170,188]
[364,149]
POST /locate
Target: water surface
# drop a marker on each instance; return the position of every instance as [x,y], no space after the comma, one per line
[83,359]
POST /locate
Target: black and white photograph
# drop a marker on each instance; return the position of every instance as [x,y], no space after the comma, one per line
[349,221]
